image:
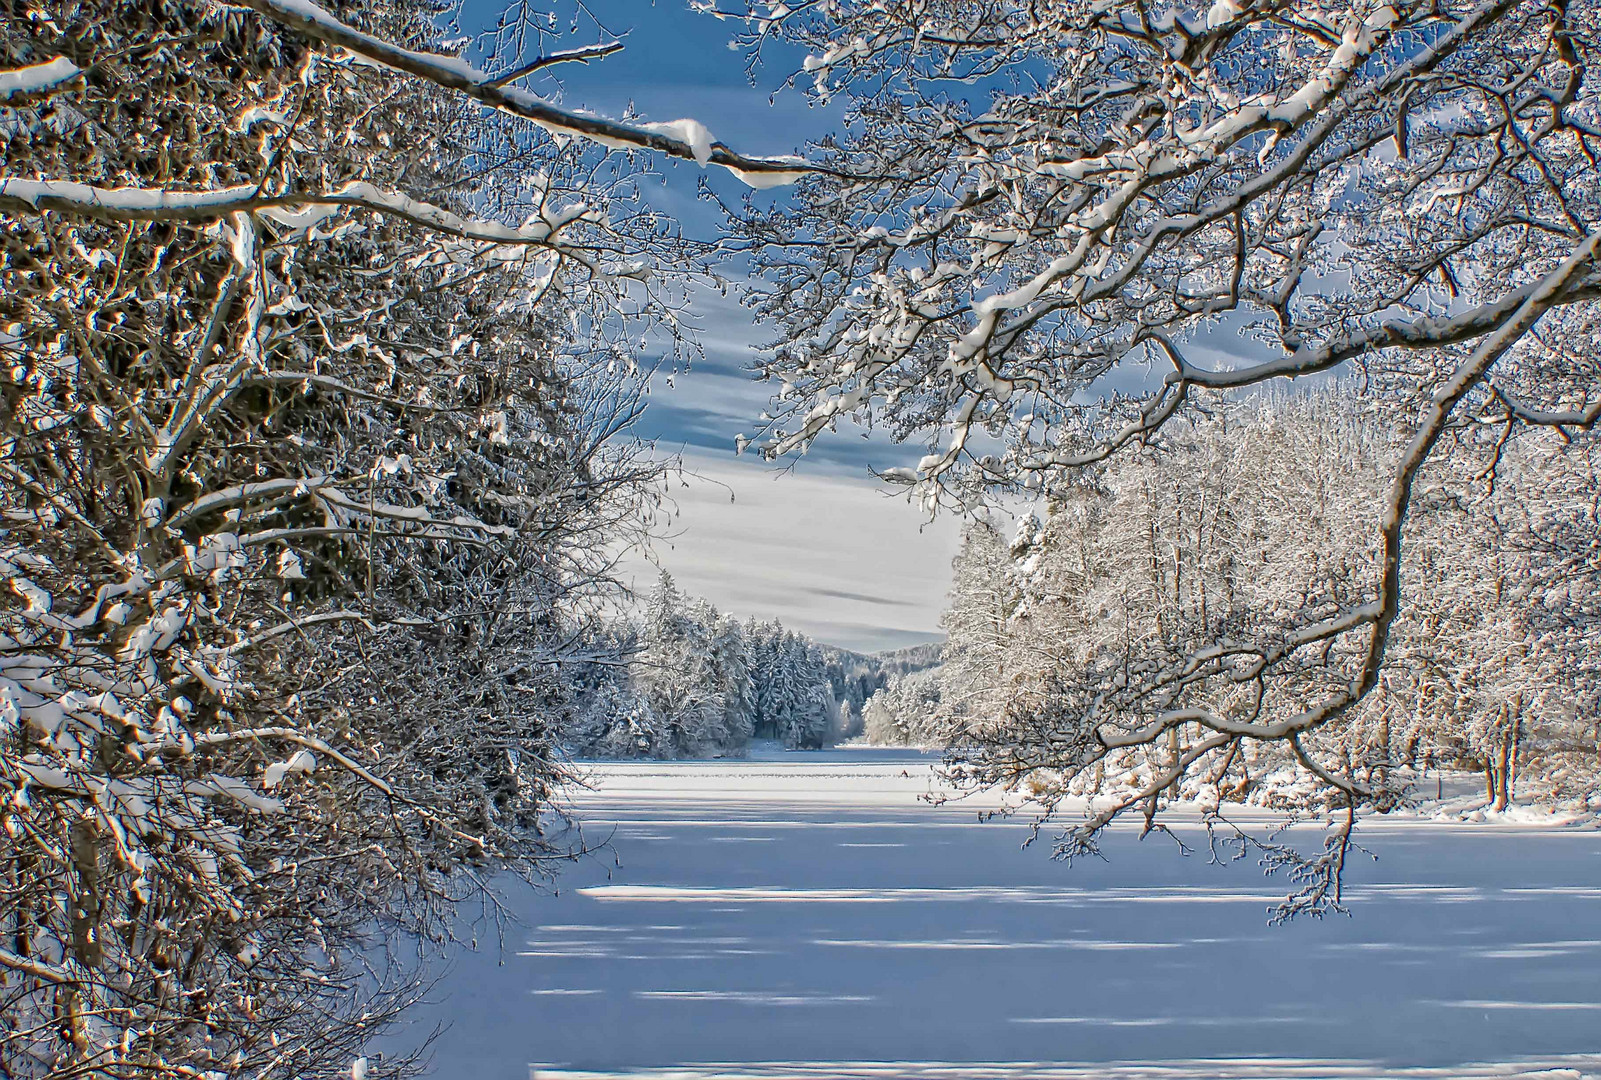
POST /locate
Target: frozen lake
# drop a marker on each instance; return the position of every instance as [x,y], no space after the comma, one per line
[809,917]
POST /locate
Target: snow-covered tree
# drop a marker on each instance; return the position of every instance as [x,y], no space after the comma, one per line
[1257,514]
[731,666]
[907,711]
[766,658]
[684,689]
[616,720]
[1503,630]
[1039,217]
[318,384]
[978,620]
[677,672]
[794,700]
[805,700]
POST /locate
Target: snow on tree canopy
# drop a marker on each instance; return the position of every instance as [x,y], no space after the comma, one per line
[321,383]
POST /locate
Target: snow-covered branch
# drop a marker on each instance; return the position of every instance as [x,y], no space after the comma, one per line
[28,84]
[295,211]
[686,139]
[581,55]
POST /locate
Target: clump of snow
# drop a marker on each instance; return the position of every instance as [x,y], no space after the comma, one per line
[259,114]
[762,179]
[692,133]
[21,83]
[1223,11]
[301,761]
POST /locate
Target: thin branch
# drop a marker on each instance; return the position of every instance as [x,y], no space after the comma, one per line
[582,55]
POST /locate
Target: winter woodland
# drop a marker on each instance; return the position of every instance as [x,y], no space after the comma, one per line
[1234,524]
[323,342]
[700,683]
[1041,221]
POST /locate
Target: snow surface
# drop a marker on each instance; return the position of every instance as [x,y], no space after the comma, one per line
[807,916]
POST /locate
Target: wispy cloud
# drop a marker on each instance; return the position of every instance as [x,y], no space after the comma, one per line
[865,598]
[719,397]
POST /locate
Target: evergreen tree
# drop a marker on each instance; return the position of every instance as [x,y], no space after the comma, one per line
[731,662]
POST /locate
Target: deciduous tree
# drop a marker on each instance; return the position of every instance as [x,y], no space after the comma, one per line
[1041,219]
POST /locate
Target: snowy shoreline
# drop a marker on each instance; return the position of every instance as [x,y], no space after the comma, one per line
[908,774]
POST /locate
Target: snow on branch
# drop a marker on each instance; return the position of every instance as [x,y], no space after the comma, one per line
[1423,332]
[20,86]
[163,204]
[52,973]
[295,625]
[1038,246]
[581,55]
[681,138]
[345,762]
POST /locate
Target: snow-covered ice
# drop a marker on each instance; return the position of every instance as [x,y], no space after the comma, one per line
[807,916]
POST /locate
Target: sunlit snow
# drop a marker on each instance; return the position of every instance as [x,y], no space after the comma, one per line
[871,934]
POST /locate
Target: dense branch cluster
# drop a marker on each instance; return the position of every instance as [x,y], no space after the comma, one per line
[1049,231]
[1032,197]
[318,389]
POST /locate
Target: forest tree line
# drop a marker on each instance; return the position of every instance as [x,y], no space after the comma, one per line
[1247,516]
[700,682]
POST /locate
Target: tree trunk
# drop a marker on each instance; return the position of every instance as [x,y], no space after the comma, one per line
[1516,761]
[1384,748]
[1505,767]
[85,841]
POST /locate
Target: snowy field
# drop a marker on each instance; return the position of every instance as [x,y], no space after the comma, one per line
[808,917]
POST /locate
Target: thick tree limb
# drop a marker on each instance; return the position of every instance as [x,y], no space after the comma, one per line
[453,74]
[21,86]
[298,211]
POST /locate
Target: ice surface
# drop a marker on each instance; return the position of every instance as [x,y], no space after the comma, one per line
[807,916]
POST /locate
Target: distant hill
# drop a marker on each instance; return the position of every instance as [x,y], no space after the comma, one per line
[855,676]
[911,658]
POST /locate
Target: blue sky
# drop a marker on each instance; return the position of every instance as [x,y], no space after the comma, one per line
[818,543]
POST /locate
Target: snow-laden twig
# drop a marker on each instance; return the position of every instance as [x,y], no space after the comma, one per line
[164,204]
[35,81]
